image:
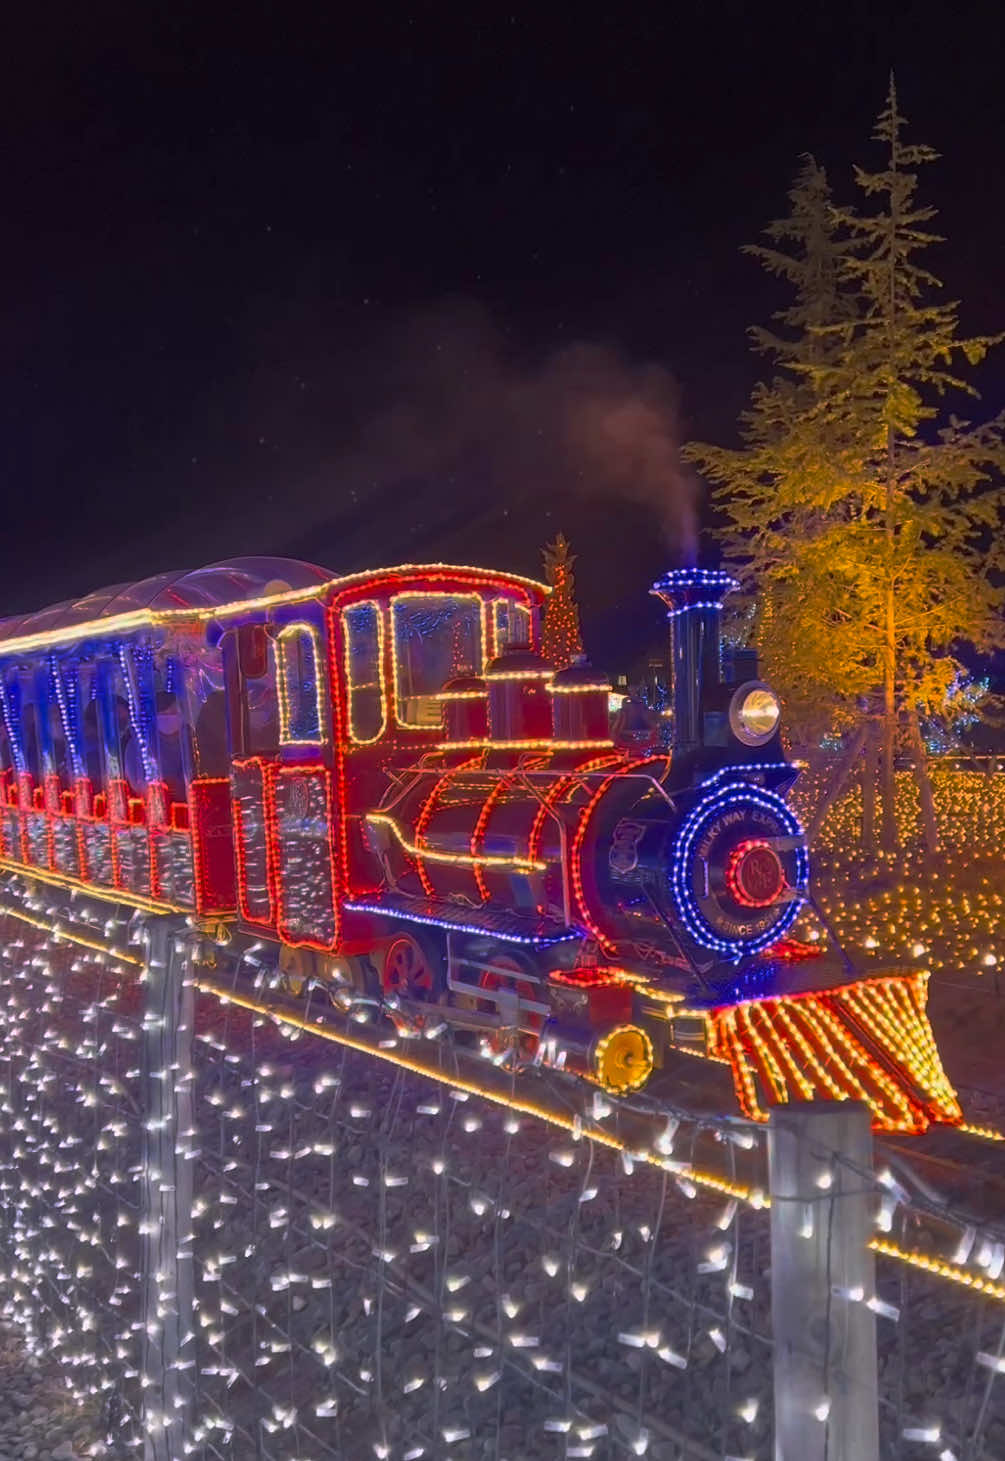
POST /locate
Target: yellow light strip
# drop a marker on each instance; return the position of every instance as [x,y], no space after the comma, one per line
[700,1055]
[77,885]
[772,1070]
[940,1268]
[73,938]
[283,641]
[855,1055]
[540,744]
[465,859]
[498,675]
[986,1133]
[712,1180]
[137,618]
[577,689]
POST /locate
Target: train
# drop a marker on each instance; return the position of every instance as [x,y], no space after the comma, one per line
[378,776]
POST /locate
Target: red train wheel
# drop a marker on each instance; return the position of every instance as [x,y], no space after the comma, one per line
[513,980]
[411,970]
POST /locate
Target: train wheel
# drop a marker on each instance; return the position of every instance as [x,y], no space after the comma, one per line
[508,974]
[296,967]
[412,968]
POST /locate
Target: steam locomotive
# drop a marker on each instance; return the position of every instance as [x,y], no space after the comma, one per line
[380,775]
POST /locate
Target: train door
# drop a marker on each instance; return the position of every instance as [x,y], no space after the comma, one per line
[282,781]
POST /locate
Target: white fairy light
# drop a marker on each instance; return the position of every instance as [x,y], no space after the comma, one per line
[671,1357]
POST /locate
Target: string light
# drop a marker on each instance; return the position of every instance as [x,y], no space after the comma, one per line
[141,618]
[538,743]
[464,859]
[300,684]
[760,1039]
[459,924]
[214,1318]
[354,688]
[939,1266]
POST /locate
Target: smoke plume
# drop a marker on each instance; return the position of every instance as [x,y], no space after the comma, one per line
[472,424]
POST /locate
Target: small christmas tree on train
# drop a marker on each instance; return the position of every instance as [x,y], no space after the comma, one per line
[561,638]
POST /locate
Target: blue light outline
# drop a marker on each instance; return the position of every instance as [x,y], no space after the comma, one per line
[687,906]
[748,766]
[698,578]
[540,941]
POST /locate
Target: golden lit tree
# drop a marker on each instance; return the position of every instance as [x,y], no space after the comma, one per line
[928,539]
[783,490]
[871,519]
[561,639]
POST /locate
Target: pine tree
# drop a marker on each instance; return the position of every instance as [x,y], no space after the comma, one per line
[871,526]
[928,542]
[783,489]
[561,640]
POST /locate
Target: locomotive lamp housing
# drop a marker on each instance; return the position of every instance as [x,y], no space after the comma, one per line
[754,713]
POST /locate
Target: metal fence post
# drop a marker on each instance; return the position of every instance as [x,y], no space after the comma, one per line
[166,1186]
[822,1272]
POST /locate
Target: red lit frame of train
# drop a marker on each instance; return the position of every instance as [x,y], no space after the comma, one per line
[380,774]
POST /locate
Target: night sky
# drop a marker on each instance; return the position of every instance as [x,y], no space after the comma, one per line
[347,283]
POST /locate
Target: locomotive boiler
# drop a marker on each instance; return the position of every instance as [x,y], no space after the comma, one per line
[381,776]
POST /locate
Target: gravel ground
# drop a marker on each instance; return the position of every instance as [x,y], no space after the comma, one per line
[38,1422]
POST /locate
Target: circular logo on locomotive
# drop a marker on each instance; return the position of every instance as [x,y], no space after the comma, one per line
[739,870]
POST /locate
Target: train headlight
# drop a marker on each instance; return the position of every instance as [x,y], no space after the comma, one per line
[754,713]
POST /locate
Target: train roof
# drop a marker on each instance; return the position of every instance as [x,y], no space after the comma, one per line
[214,592]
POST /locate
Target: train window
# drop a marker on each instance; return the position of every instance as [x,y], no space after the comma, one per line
[251,691]
[60,750]
[126,741]
[436,636]
[207,716]
[512,624]
[301,714]
[69,686]
[364,672]
[92,750]
[11,724]
[169,704]
[29,727]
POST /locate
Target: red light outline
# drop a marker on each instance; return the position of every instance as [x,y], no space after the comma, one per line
[734,865]
[311,772]
[264,768]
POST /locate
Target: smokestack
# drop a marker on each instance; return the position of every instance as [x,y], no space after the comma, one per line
[693,597]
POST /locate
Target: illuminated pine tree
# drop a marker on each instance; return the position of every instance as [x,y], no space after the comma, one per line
[927,544]
[782,490]
[873,524]
[561,639]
